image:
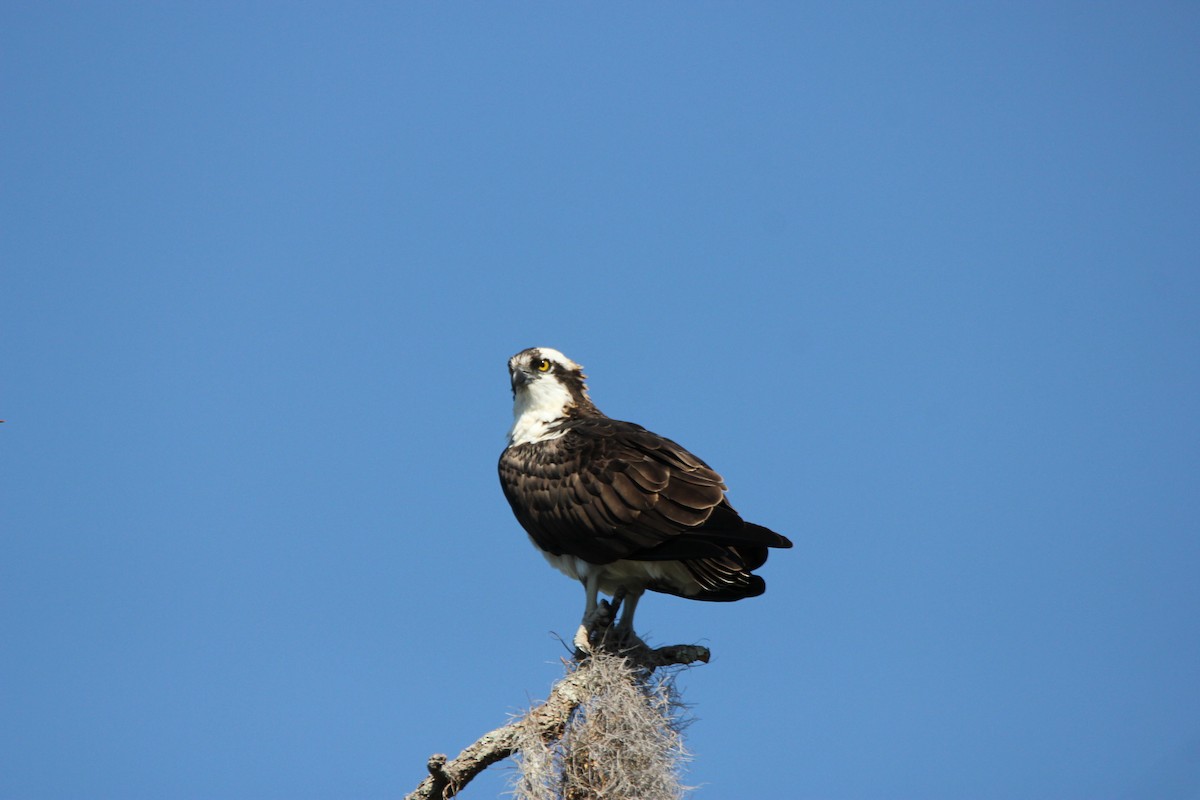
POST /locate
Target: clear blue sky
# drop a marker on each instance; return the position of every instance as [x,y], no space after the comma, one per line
[921,280]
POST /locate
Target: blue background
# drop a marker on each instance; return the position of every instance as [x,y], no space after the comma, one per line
[921,280]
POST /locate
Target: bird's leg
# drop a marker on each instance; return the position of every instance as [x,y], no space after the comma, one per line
[624,628]
[615,605]
[591,589]
[593,613]
[631,602]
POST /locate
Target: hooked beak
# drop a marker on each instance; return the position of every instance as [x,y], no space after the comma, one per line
[519,377]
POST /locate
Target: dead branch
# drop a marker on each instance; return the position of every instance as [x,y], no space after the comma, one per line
[546,722]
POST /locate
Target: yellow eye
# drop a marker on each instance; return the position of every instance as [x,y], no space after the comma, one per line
[543,366]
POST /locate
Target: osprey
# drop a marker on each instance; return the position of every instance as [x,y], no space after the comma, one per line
[615,506]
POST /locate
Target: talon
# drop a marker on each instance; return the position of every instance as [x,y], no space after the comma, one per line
[600,617]
[583,645]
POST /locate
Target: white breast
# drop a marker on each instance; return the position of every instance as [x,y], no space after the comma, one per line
[631,575]
[536,408]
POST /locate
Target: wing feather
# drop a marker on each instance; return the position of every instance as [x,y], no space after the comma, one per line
[607,490]
[650,476]
[620,510]
[629,493]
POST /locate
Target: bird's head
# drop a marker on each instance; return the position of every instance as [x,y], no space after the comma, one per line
[547,387]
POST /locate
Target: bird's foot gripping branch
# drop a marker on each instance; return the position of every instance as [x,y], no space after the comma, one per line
[597,633]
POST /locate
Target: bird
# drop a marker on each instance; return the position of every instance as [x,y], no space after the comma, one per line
[617,507]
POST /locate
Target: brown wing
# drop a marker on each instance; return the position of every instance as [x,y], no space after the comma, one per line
[608,490]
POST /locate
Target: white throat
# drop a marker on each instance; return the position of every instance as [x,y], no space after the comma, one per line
[538,406]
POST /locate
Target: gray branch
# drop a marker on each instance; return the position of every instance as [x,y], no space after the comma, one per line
[447,777]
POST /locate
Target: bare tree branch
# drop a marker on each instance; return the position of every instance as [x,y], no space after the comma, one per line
[546,721]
